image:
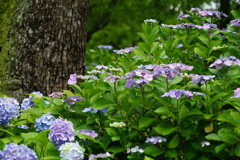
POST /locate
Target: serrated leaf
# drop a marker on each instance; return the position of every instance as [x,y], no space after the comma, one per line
[145,122]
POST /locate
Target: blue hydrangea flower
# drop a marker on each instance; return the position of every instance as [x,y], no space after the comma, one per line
[44,122]
[23,126]
[61,131]
[9,109]
[28,103]
[71,151]
[134,150]
[14,151]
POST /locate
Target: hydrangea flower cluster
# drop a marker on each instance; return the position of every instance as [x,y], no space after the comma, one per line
[107,47]
[61,131]
[191,25]
[205,143]
[225,61]
[177,93]
[44,122]
[202,79]
[9,109]
[71,151]
[150,21]
[100,155]
[88,132]
[14,151]
[94,110]
[113,78]
[117,124]
[236,93]
[27,103]
[155,140]
[135,149]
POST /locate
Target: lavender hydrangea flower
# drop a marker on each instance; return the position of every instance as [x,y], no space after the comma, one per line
[14,151]
[72,99]
[135,149]
[125,50]
[9,109]
[72,79]
[155,140]
[61,131]
[101,67]
[88,132]
[202,79]
[183,15]
[225,61]
[71,151]
[107,47]
[100,155]
[94,110]
[236,93]
[56,94]
[44,122]
[212,13]
[150,20]
[235,22]
[113,78]
[177,93]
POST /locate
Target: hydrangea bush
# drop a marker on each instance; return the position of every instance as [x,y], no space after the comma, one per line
[174,96]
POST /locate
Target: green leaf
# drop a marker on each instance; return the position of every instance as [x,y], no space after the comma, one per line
[204,38]
[213,136]
[153,151]
[174,142]
[51,157]
[232,117]
[116,149]
[154,47]
[77,89]
[237,150]
[217,96]
[165,110]
[145,47]
[145,122]
[220,147]
[102,103]
[111,132]
[236,14]
[144,36]
[147,158]
[201,51]
[28,136]
[140,53]
[68,93]
[165,129]
[172,153]
[227,134]
[6,131]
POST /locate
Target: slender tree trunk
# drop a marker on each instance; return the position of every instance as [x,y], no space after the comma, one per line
[48,44]
[225,8]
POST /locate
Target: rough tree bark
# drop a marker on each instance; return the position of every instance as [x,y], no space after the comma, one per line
[48,44]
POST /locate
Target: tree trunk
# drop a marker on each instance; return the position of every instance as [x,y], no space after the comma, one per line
[48,44]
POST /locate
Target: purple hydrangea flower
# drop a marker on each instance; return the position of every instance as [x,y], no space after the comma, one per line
[183,15]
[113,78]
[101,67]
[195,10]
[14,151]
[100,155]
[235,22]
[61,131]
[71,151]
[135,149]
[177,93]
[56,94]
[236,93]
[9,109]
[94,110]
[44,122]
[155,140]
[88,132]
[125,50]
[202,79]
[72,99]
[72,79]
[212,13]
[107,47]
[225,61]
